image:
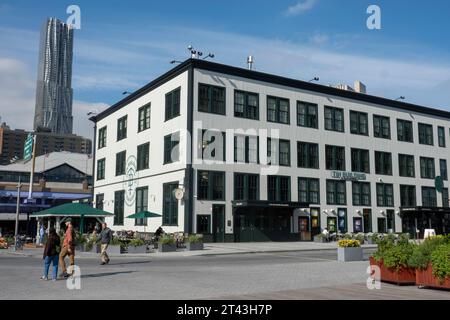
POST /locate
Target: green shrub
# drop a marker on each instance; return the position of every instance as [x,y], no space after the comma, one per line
[421,256]
[440,260]
[403,238]
[115,242]
[91,242]
[397,256]
[194,238]
[136,243]
[166,239]
[384,244]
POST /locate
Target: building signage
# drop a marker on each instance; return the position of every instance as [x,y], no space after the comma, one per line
[349,176]
[28,148]
[130,182]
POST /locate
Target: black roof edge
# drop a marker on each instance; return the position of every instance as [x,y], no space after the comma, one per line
[273,79]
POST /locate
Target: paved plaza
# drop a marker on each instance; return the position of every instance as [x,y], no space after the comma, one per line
[304,274]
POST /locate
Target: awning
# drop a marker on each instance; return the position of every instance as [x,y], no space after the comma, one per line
[270,204]
[442,210]
[73,210]
[47,195]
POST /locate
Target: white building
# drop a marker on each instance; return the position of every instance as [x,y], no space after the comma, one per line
[346,160]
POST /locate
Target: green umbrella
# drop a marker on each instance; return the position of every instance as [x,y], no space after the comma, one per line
[73,210]
[144,215]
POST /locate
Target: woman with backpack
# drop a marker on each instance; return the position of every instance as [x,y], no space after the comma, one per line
[51,254]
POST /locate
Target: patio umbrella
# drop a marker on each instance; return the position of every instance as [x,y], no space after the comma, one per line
[144,215]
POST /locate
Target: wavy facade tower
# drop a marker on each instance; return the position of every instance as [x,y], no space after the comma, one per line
[54,92]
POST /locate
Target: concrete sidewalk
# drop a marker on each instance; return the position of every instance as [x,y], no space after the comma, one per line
[213,249]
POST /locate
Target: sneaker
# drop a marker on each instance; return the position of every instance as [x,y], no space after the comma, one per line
[44,278]
[54,280]
[65,275]
[102,263]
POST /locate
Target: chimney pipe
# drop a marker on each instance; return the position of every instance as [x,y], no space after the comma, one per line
[250,61]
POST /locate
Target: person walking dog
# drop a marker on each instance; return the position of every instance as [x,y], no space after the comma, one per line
[51,253]
[105,239]
[68,249]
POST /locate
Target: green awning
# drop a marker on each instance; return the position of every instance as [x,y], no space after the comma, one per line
[144,215]
[74,210]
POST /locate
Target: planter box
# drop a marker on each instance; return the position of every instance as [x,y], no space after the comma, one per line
[350,254]
[167,247]
[371,241]
[406,276]
[84,248]
[114,250]
[320,239]
[194,246]
[139,249]
[425,278]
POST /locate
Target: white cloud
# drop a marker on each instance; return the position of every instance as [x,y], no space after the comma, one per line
[300,7]
[17,92]
[81,124]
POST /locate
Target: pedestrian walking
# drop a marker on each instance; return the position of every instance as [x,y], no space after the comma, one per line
[68,249]
[105,239]
[41,234]
[51,254]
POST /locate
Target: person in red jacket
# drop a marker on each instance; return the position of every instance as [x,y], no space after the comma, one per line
[68,249]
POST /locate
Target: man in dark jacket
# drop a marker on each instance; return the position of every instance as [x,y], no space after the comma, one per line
[105,239]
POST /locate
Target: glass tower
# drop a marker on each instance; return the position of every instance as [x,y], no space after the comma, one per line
[54,83]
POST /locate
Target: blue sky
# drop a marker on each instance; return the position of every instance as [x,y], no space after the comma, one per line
[124,44]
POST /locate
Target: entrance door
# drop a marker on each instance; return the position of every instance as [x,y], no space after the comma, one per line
[381,225]
[218,222]
[303,229]
[332,224]
[315,222]
[357,225]
[367,220]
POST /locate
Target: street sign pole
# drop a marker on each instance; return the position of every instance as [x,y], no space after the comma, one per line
[16,233]
[33,162]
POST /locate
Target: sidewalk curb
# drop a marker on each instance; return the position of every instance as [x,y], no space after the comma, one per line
[156,254]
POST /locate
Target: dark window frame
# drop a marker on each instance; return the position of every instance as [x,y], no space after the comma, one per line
[357,125]
[310,120]
[309,158]
[248,111]
[143,161]
[212,105]
[120,163]
[172,104]
[383,197]
[210,192]
[311,196]
[426,135]
[246,186]
[144,117]
[379,128]
[406,167]
[383,163]
[336,125]
[359,163]
[169,144]
[278,111]
[276,194]
[333,195]
[170,205]
[332,161]
[122,128]
[405,131]
[359,194]
[101,169]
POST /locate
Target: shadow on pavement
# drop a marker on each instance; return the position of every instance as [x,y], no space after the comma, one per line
[130,262]
[106,274]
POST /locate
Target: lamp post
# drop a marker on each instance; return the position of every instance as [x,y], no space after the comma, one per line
[16,232]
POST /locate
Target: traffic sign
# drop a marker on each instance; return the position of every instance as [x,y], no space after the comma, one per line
[28,148]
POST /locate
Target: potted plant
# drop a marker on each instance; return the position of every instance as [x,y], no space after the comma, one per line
[372,238]
[115,246]
[349,250]
[137,246]
[194,242]
[320,238]
[360,237]
[392,259]
[167,244]
[80,242]
[91,244]
[432,262]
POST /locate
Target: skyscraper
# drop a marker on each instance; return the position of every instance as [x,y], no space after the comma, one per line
[54,92]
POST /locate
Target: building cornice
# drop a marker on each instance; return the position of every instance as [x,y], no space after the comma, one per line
[271,79]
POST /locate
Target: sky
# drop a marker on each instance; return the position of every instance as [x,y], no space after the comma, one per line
[122,45]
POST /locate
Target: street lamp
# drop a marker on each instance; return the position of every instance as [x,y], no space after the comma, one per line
[314,79]
[400,98]
[16,232]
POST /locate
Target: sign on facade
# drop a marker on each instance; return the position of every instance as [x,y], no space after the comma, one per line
[28,148]
[351,176]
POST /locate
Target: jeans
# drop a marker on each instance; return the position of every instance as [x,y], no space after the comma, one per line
[51,260]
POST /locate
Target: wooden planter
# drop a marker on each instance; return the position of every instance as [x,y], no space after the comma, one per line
[406,276]
[425,278]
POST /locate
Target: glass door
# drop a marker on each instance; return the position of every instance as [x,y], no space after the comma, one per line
[367,220]
[219,223]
